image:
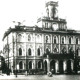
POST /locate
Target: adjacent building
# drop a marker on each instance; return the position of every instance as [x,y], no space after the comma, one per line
[48,46]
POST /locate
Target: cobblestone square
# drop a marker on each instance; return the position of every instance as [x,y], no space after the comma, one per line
[40,77]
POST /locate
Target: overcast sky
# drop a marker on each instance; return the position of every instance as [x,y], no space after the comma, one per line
[27,12]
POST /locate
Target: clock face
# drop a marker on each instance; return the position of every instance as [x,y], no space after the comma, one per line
[55,26]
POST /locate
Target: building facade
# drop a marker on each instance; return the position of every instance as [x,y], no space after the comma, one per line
[45,47]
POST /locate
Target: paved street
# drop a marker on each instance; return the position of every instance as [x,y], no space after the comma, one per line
[40,77]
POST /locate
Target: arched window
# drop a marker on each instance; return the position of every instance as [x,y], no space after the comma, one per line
[39,65]
[20,65]
[19,37]
[30,65]
[46,39]
[63,40]
[76,40]
[55,49]
[47,51]
[70,40]
[38,38]
[29,37]
[38,52]
[77,52]
[29,51]
[64,50]
[55,40]
[20,51]
[71,50]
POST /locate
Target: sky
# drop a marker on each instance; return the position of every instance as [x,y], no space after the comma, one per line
[27,12]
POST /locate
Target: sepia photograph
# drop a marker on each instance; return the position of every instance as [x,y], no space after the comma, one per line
[39,40]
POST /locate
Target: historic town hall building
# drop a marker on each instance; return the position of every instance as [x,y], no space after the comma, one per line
[49,45]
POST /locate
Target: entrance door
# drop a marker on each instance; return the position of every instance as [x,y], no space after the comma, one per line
[69,66]
[52,66]
[45,66]
[60,66]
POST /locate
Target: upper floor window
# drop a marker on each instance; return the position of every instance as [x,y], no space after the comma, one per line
[70,40]
[64,50]
[55,50]
[46,39]
[29,37]
[63,40]
[20,51]
[38,38]
[76,40]
[77,52]
[71,50]
[38,52]
[19,37]
[29,52]
[55,40]
[47,51]
[46,25]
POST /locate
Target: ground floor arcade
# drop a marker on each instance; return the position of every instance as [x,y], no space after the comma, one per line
[59,66]
[46,65]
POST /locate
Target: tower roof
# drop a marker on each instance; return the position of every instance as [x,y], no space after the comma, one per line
[52,3]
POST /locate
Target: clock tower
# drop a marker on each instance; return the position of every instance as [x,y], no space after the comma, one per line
[52,21]
[51,9]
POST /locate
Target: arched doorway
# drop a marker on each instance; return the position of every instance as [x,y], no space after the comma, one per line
[20,65]
[30,65]
[45,66]
[69,66]
[61,67]
[52,66]
[39,65]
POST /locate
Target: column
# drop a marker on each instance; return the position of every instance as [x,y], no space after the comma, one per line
[42,44]
[12,66]
[56,66]
[51,43]
[23,65]
[67,44]
[48,65]
[72,64]
[34,51]
[64,66]
[59,43]
[33,65]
